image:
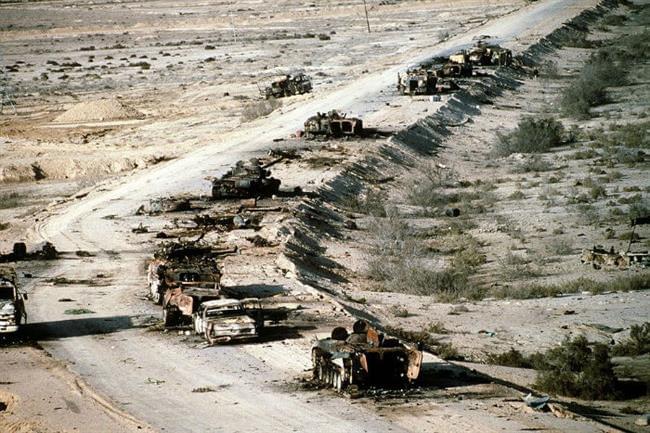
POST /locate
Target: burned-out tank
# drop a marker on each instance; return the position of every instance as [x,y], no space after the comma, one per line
[246,180]
[332,124]
[417,82]
[364,357]
[288,86]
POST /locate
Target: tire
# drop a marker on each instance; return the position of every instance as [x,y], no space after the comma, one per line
[170,318]
[156,298]
[338,381]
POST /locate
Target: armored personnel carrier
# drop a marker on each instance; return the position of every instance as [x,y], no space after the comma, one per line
[288,86]
[332,124]
[246,180]
[364,357]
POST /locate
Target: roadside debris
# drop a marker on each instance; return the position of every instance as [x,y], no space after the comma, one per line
[332,124]
[598,257]
[423,81]
[362,358]
[12,302]
[537,403]
[47,251]
[225,320]
[288,86]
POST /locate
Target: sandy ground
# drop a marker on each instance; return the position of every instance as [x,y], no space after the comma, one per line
[257,389]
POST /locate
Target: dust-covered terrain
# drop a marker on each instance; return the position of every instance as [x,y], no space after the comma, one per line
[439,225]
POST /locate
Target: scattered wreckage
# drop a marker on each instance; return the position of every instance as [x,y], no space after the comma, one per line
[248,179]
[599,257]
[332,124]
[423,81]
[12,302]
[364,357]
[46,251]
[483,54]
[288,86]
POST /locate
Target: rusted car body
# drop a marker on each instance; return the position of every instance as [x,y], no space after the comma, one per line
[12,302]
[288,86]
[364,357]
[225,320]
[181,302]
[248,179]
[333,124]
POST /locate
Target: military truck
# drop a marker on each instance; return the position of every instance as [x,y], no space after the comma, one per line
[12,302]
[288,86]
[332,124]
[183,265]
[364,357]
[417,82]
[246,180]
[225,320]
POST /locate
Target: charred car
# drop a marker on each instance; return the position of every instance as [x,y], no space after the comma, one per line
[364,357]
[225,320]
[417,82]
[12,302]
[332,124]
[246,180]
[288,86]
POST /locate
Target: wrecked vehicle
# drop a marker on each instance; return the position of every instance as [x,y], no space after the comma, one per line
[181,302]
[332,124]
[246,180]
[598,257]
[417,82]
[364,357]
[454,70]
[12,302]
[483,54]
[183,265]
[46,251]
[225,320]
[288,86]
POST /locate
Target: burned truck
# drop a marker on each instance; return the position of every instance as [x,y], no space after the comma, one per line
[483,54]
[288,86]
[225,320]
[185,266]
[12,302]
[332,124]
[364,357]
[248,179]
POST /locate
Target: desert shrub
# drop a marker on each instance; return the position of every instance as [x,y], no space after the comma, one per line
[10,200]
[588,90]
[578,369]
[437,328]
[517,195]
[532,135]
[614,20]
[514,358]
[560,247]
[638,344]
[534,164]
[399,311]
[448,352]
[259,108]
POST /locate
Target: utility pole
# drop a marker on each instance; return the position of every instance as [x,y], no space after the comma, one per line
[365,7]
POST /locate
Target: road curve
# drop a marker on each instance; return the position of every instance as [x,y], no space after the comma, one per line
[151,376]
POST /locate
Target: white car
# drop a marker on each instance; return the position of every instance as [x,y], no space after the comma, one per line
[224,320]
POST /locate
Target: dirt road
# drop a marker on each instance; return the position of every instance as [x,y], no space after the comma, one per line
[152,377]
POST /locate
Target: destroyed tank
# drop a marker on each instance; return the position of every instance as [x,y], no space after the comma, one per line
[332,124]
[288,86]
[417,82]
[246,180]
[362,358]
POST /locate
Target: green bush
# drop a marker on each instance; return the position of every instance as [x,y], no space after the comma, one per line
[532,135]
[638,344]
[578,369]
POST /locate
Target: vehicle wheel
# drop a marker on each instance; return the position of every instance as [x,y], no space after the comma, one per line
[338,384]
[156,298]
[170,318]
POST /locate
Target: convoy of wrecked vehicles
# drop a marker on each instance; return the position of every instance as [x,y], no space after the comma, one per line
[186,280]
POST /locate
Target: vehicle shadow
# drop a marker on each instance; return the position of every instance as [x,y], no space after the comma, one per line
[282,332]
[78,327]
[254,291]
[445,375]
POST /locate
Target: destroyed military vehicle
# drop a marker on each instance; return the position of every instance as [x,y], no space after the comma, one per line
[456,70]
[225,320]
[332,124]
[246,180]
[288,86]
[12,302]
[417,82]
[185,266]
[483,54]
[364,357]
